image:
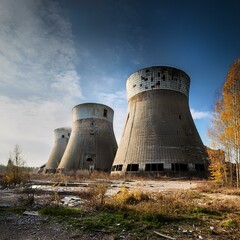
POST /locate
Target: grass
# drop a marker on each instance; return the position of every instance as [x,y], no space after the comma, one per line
[59,211]
[16,209]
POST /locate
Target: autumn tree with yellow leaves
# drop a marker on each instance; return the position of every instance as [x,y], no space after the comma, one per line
[225,128]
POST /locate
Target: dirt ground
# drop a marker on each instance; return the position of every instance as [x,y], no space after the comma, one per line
[29,227]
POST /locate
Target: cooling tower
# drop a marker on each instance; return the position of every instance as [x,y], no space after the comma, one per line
[62,136]
[159,134]
[92,144]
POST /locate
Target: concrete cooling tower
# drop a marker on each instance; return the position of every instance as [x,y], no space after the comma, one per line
[92,144]
[159,134]
[62,136]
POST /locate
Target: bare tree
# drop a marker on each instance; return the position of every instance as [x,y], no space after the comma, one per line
[15,171]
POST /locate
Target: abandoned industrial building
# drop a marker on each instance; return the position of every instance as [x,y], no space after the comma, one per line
[92,144]
[159,133]
[61,137]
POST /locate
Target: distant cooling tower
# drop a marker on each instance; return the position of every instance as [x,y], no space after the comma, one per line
[62,136]
[92,144]
[159,134]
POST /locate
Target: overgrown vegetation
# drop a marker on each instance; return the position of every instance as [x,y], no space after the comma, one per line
[15,172]
[140,214]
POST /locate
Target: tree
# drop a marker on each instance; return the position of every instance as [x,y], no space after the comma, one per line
[217,167]
[225,128]
[15,170]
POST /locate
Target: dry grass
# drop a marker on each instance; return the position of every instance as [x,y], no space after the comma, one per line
[210,187]
[95,195]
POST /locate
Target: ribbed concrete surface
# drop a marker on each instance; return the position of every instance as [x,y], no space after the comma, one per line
[159,128]
[92,144]
[61,137]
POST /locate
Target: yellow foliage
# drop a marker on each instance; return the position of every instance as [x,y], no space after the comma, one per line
[217,165]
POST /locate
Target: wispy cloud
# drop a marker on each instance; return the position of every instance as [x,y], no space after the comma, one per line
[199,114]
[39,83]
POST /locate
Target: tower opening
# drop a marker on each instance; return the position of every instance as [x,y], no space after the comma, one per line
[179,167]
[154,167]
[105,112]
[132,167]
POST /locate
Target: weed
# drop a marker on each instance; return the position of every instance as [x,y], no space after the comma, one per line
[229,223]
[59,211]
[55,198]
[27,196]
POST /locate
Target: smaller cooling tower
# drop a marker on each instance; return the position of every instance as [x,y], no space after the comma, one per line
[62,136]
[92,144]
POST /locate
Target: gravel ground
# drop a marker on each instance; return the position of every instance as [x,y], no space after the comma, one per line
[14,226]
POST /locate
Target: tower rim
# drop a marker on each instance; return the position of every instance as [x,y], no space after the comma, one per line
[160,66]
[91,104]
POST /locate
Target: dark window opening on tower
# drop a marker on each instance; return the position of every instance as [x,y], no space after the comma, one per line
[153,86]
[132,167]
[158,83]
[151,79]
[199,167]
[146,87]
[140,84]
[62,136]
[155,167]
[105,112]
[146,79]
[147,70]
[158,74]
[180,117]
[68,134]
[89,159]
[163,77]
[134,85]
[117,167]
[177,167]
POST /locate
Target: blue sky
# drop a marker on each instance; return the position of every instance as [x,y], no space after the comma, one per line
[55,54]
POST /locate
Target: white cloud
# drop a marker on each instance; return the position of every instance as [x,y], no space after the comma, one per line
[39,83]
[31,124]
[199,114]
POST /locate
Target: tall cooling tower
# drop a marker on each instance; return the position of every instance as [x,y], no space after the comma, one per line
[159,134]
[92,144]
[61,136]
